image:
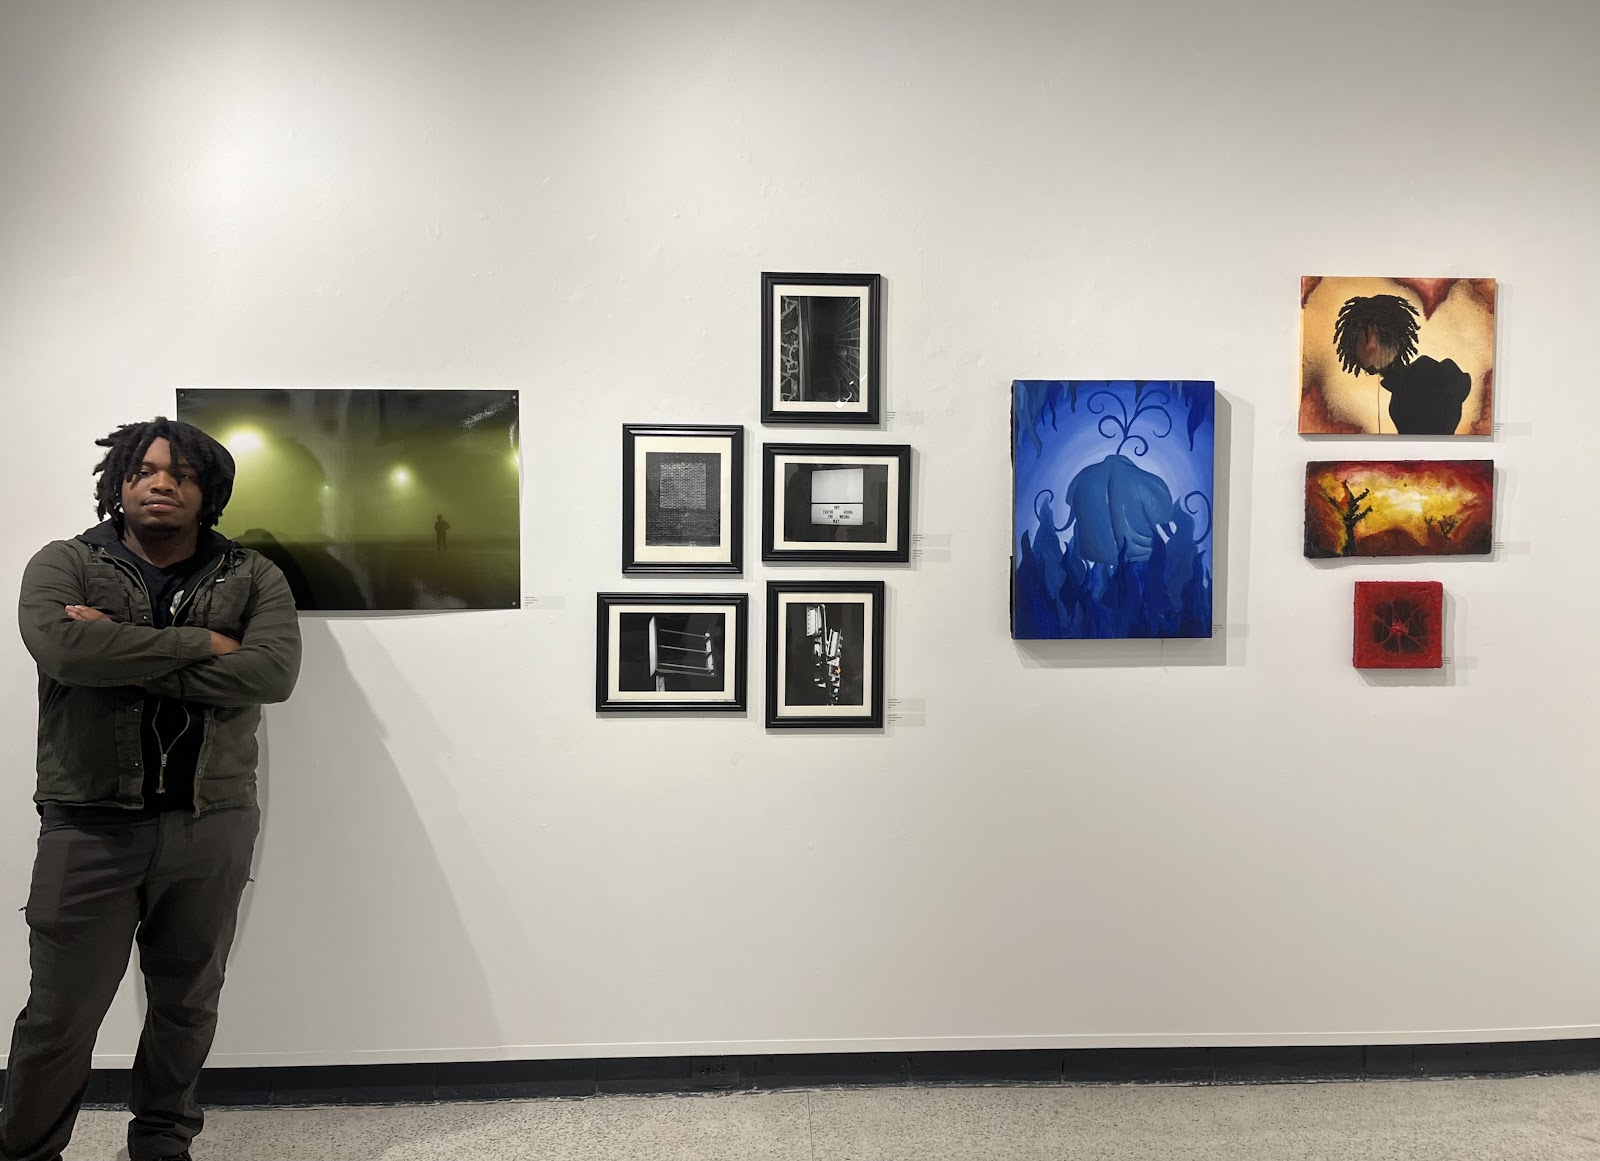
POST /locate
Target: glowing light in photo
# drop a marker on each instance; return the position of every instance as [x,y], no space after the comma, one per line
[243,441]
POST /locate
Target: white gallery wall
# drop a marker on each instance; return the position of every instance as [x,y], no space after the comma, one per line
[1242,841]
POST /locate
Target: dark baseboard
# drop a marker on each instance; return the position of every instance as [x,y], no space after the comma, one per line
[491,1080]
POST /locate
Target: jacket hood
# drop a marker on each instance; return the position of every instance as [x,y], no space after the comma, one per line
[109,532]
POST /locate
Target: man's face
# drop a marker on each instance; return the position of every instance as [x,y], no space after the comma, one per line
[161,496]
[1372,353]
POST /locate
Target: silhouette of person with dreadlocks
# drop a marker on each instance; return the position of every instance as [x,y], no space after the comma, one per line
[1378,335]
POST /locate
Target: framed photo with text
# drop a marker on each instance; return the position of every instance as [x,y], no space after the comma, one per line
[682,498]
[671,651]
[825,654]
[836,502]
[821,348]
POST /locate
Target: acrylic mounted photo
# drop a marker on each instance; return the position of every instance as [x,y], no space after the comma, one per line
[825,654]
[374,499]
[1112,508]
[1399,625]
[1399,508]
[836,502]
[1397,356]
[682,499]
[821,347]
[671,651]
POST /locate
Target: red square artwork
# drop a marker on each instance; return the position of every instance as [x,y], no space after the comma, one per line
[1399,625]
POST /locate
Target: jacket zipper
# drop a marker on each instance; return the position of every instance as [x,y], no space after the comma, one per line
[177,615]
[177,619]
[150,603]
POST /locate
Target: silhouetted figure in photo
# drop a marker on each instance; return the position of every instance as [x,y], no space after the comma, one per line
[441,530]
[1378,335]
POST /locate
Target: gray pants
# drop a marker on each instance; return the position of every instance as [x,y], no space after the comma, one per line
[172,884]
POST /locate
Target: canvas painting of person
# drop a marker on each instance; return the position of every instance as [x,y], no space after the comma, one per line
[1397,356]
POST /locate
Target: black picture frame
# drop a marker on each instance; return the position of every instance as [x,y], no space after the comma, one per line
[839,532]
[822,662]
[851,374]
[671,653]
[725,440]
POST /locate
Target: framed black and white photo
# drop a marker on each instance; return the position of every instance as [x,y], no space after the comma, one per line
[821,347]
[825,654]
[671,651]
[836,502]
[682,498]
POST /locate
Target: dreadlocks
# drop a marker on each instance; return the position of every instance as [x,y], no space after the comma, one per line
[1392,321]
[125,451]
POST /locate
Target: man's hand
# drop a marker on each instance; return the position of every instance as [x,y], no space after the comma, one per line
[85,613]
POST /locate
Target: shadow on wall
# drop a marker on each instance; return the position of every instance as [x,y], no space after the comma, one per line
[1234,419]
[351,928]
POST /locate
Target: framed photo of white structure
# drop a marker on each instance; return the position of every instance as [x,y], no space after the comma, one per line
[671,651]
[836,502]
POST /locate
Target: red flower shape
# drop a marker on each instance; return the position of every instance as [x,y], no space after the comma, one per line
[1398,625]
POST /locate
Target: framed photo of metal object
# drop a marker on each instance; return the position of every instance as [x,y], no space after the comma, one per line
[671,651]
[825,654]
[836,502]
[682,499]
[821,348]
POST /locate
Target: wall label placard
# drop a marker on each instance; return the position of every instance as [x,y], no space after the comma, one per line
[908,711]
[933,547]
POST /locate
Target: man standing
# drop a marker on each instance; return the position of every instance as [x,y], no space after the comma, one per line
[157,640]
[441,528]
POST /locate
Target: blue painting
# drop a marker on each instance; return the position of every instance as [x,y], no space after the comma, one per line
[1111,508]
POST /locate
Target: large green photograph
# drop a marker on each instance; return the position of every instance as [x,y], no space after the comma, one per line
[375,499]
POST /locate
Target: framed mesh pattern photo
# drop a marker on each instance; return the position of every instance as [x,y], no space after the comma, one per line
[682,499]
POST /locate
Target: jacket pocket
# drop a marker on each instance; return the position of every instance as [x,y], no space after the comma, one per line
[109,594]
[221,607]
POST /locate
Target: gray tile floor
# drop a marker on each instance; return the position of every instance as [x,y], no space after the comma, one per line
[1532,1118]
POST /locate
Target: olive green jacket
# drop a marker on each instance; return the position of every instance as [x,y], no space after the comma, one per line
[94,675]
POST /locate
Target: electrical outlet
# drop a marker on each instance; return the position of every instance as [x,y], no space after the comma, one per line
[715,1072]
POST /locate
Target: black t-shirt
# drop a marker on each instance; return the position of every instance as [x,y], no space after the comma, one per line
[171,731]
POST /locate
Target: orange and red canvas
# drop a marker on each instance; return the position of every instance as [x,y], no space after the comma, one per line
[1399,625]
[1399,508]
[1397,356]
